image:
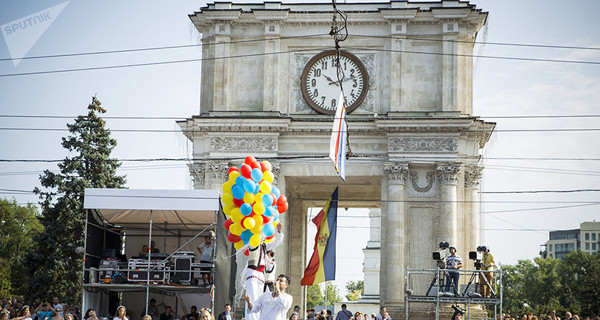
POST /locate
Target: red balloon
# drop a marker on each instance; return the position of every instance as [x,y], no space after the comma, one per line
[227,223]
[281,201]
[246,170]
[282,208]
[249,160]
[232,169]
[255,165]
[264,167]
[246,252]
[238,202]
[266,219]
[233,238]
[274,198]
[270,237]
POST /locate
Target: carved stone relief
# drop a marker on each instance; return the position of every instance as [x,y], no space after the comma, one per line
[198,174]
[396,172]
[473,176]
[403,144]
[448,172]
[238,144]
[429,180]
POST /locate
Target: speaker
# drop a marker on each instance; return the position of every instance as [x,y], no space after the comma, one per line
[183,269]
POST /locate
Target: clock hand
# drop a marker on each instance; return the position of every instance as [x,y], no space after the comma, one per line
[330,80]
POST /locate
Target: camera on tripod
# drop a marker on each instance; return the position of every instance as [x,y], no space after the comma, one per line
[440,255]
[474,255]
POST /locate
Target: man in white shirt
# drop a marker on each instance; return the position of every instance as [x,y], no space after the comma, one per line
[272,305]
[206,251]
[255,272]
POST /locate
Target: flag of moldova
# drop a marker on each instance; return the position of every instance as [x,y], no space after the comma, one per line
[321,266]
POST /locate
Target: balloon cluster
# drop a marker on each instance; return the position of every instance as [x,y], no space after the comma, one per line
[252,204]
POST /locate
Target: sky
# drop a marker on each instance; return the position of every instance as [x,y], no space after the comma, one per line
[514,225]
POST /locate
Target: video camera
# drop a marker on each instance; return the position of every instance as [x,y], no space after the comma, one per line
[474,255]
[440,255]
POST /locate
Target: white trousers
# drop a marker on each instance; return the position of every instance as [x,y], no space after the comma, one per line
[254,288]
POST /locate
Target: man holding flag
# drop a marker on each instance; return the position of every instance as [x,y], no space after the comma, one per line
[321,266]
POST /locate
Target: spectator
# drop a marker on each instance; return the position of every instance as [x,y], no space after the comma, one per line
[147,317]
[226,314]
[4,314]
[344,314]
[121,314]
[193,315]
[59,313]
[47,313]
[383,314]
[90,314]
[167,315]
[56,303]
[294,316]
[206,315]
[153,309]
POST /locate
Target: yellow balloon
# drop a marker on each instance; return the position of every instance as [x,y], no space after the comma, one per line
[258,197]
[236,229]
[238,245]
[227,186]
[257,229]
[258,208]
[236,215]
[249,223]
[265,187]
[233,175]
[268,240]
[227,198]
[248,198]
[227,209]
[255,240]
[268,176]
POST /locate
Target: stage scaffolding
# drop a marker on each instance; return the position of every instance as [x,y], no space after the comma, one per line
[427,286]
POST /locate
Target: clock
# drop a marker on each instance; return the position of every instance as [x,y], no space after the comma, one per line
[320,85]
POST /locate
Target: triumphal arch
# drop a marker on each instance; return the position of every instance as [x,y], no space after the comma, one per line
[415,142]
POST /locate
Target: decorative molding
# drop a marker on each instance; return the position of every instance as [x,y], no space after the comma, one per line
[238,144]
[414,179]
[275,169]
[422,144]
[473,176]
[216,172]
[448,172]
[396,172]
[197,170]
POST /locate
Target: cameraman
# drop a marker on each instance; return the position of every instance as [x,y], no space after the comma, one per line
[487,264]
[453,263]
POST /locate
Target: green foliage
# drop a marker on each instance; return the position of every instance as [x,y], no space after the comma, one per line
[55,266]
[543,285]
[18,225]
[355,290]
[316,297]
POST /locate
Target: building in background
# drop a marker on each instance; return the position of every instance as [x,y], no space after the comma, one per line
[561,242]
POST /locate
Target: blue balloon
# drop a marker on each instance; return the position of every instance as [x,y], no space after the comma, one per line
[269,211]
[276,192]
[239,181]
[238,192]
[246,209]
[267,200]
[276,216]
[249,185]
[246,235]
[256,174]
[257,189]
[268,229]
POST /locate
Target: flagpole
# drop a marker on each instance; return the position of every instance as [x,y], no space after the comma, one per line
[325,294]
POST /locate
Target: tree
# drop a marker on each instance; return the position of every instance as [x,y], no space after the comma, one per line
[544,285]
[55,265]
[355,290]
[18,225]
[316,297]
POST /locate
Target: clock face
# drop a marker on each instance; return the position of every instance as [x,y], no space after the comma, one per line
[320,85]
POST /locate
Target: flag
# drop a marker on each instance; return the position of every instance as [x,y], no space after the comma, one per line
[339,136]
[321,266]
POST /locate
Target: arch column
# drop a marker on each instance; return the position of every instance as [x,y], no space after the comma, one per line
[448,177]
[392,237]
[473,215]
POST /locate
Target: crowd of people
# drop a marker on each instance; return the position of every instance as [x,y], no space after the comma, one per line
[552,316]
[17,308]
[343,314]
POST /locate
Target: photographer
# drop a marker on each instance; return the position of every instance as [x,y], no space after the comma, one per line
[485,278]
[458,313]
[453,263]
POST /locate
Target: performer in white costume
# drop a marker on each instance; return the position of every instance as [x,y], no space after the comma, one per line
[272,305]
[255,280]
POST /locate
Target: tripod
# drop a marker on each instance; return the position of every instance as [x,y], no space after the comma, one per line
[473,277]
[436,276]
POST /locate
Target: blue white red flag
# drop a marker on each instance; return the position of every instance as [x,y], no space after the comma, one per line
[339,136]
